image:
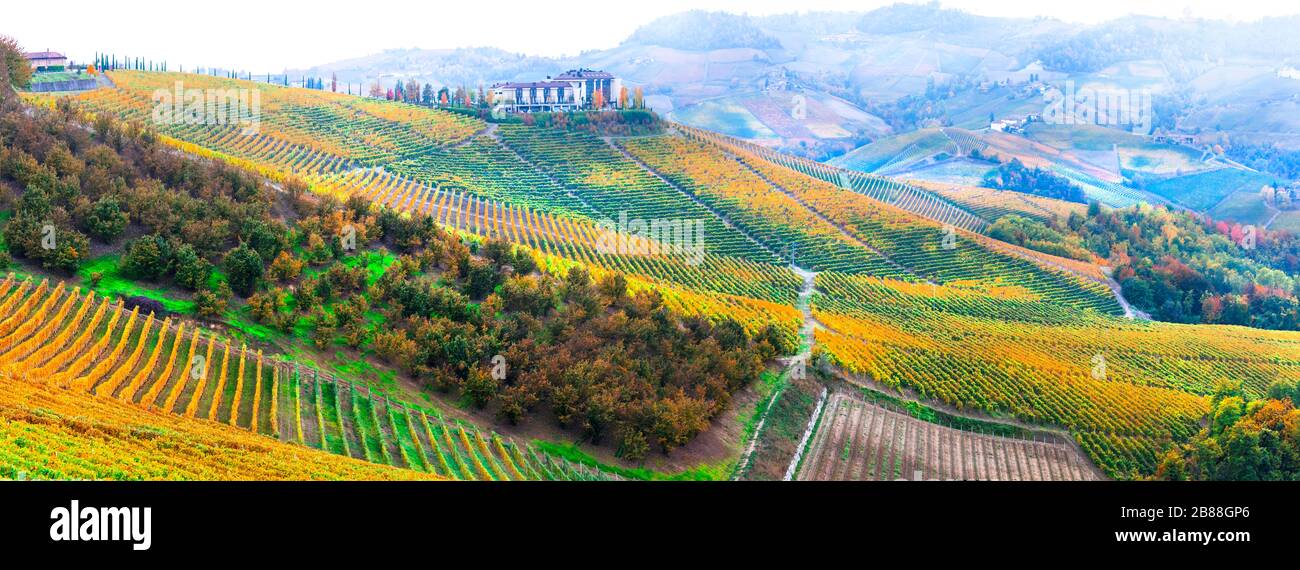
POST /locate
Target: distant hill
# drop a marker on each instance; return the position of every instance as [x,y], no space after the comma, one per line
[867,75]
[464,66]
[698,30]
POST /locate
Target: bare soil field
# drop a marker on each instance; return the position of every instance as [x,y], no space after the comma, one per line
[859,440]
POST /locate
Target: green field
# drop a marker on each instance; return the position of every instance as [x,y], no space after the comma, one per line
[53,76]
[1201,191]
[964,172]
[1244,206]
[1288,220]
[726,117]
[895,152]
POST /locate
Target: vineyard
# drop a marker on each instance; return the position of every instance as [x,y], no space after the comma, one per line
[91,348]
[993,204]
[903,196]
[1109,193]
[299,130]
[616,186]
[1124,388]
[860,441]
[747,200]
[910,294]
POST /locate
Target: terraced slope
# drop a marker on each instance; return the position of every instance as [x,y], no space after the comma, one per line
[619,189]
[862,441]
[90,349]
[749,201]
[910,198]
[910,295]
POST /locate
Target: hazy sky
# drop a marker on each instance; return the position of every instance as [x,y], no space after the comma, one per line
[270,35]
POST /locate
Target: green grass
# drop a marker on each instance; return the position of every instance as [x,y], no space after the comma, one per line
[362,369]
[718,471]
[1203,190]
[787,420]
[53,76]
[802,451]
[335,441]
[1244,206]
[112,283]
[243,327]
[1288,220]
[769,386]
[724,116]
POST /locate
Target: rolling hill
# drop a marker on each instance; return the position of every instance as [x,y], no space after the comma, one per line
[904,295]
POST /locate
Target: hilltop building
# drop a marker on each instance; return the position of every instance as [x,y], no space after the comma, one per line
[1170,137]
[46,60]
[569,91]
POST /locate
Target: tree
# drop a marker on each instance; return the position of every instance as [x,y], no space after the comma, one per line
[211,302]
[323,328]
[480,387]
[146,258]
[243,269]
[396,348]
[13,63]
[73,248]
[286,267]
[192,271]
[106,219]
[412,91]
[622,97]
[483,278]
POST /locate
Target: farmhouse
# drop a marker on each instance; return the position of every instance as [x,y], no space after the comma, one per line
[571,90]
[47,60]
[1012,126]
[535,96]
[1170,137]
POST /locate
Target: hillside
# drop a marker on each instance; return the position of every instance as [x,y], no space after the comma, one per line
[1111,166]
[909,296]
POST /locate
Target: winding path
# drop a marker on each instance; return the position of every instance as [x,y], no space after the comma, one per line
[800,358]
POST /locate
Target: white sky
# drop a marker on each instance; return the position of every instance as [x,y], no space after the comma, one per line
[270,35]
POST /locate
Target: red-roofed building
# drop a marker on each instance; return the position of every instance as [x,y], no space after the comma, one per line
[46,59]
[568,91]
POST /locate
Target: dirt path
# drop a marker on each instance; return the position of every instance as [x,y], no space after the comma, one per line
[1271,218]
[797,362]
[807,435]
[1129,311]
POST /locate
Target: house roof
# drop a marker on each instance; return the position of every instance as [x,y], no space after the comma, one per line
[531,84]
[44,55]
[585,74]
